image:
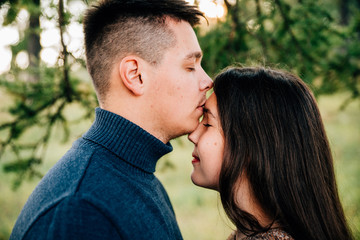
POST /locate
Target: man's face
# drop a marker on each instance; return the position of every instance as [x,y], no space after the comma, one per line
[179,84]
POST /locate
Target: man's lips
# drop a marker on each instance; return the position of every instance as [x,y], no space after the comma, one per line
[202,104]
[201,108]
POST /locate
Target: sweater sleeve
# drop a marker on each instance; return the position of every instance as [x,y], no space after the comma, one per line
[73,218]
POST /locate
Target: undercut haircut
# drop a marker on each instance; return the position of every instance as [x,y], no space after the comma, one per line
[114,29]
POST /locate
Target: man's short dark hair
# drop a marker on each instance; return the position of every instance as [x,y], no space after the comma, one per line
[116,28]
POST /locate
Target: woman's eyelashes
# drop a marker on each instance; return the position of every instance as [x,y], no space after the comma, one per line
[206,125]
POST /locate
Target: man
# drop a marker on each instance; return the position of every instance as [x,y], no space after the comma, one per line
[144,59]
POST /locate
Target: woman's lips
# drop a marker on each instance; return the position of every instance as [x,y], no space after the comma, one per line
[195,160]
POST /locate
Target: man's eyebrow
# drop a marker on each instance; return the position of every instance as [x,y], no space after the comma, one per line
[195,55]
[207,111]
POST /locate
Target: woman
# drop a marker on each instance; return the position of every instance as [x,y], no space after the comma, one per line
[263,146]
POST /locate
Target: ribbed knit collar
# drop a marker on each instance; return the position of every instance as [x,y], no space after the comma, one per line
[127,140]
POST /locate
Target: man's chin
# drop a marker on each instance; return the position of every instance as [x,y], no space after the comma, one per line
[185,131]
[193,127]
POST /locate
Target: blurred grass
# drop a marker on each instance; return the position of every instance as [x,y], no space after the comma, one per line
[343,129]
[199,211]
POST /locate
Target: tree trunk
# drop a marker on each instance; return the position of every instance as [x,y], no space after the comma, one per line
[33,46]
[344,12]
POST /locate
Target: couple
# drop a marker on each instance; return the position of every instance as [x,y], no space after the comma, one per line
[261,142]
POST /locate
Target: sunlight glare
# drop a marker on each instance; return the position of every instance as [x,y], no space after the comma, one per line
[77,8]
[22,59]
[8,36]
[50,37]
[5,59]
[212,9]
[77,39]
[23,20]
[49,55]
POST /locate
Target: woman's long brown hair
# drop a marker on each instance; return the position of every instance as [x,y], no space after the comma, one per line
[274,136]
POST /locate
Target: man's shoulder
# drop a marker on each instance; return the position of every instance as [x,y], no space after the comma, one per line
[71,217]
[61,181]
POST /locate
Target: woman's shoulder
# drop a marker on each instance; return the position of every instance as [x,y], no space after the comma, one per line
[273,234]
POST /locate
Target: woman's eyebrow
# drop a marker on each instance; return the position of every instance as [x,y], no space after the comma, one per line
[207,111]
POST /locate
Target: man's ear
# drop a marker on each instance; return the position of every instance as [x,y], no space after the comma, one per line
[130,74]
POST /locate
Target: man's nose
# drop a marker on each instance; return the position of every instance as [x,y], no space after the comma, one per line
[206,82]
[194,136]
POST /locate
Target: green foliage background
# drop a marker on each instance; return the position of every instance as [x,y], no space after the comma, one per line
[318,40]
[306,37]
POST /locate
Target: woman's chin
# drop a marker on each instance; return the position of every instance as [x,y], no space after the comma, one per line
[202,184]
